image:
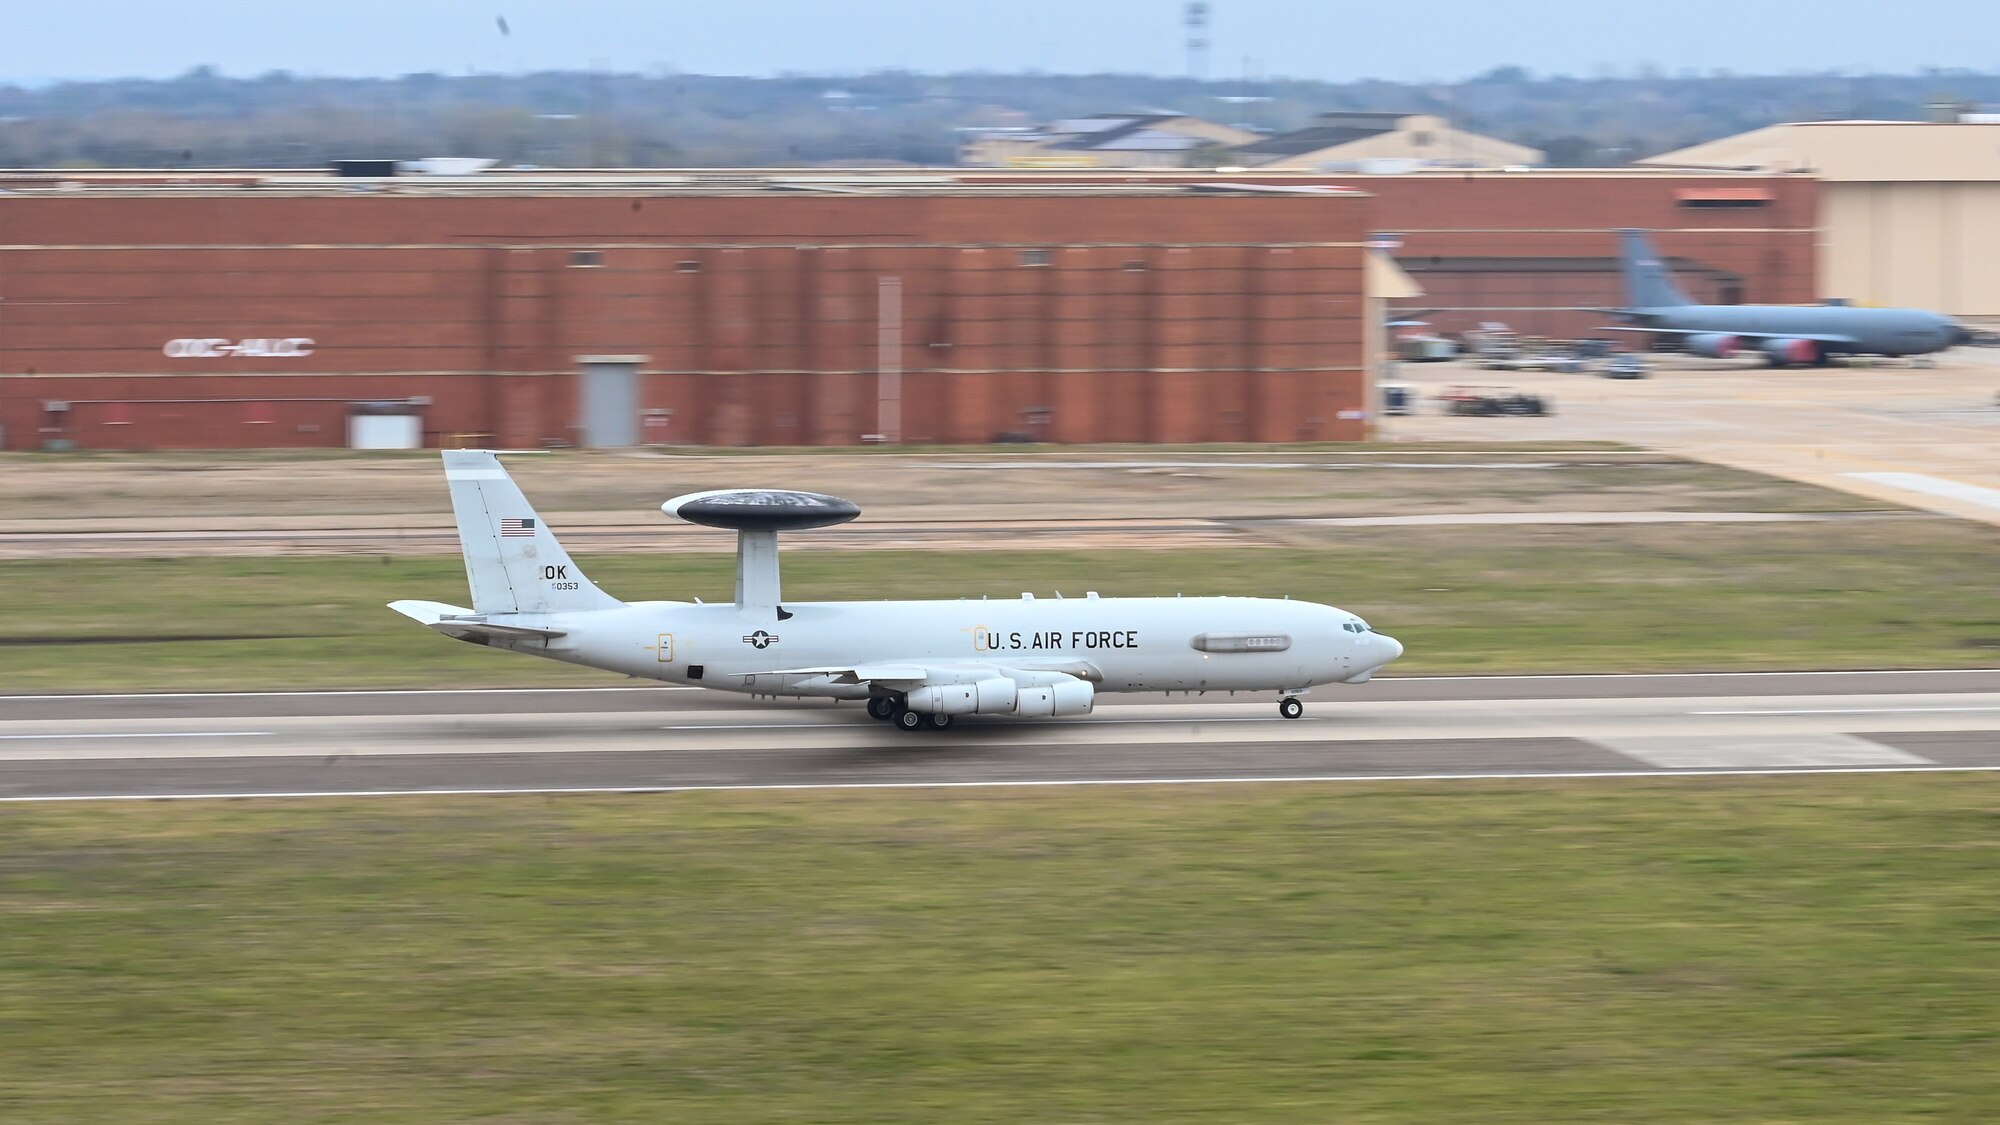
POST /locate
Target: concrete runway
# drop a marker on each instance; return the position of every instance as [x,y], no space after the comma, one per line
[667,739]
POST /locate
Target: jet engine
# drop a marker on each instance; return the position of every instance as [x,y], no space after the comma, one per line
[997,696]
[1782,352]
[1714,345]
[1069,697]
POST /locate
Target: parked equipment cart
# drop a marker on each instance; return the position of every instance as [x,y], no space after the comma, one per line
[1468,399]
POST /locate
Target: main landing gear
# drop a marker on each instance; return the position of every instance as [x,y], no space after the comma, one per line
[1290,707]
[906,719]
[892,710]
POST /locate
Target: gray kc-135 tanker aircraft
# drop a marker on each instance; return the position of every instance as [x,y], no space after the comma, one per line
[1782,334]
[916,663]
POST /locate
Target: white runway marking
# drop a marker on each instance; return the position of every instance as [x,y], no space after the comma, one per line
[1004,724]
[1679,752]
[1476,519]
[349,692]
[1855,711]
[1934,486]
[151,734]
[1684,675]
[1093,782]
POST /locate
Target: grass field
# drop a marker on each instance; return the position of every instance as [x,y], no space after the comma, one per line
[1869,595]
[262,488]
[1749,950]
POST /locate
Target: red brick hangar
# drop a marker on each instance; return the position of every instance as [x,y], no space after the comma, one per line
[261,310]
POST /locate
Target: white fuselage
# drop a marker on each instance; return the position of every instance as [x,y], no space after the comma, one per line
[1117,644]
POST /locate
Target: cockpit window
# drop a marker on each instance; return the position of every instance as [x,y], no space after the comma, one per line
[1356,626]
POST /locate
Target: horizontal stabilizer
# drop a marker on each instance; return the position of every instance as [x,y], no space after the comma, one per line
[456,621]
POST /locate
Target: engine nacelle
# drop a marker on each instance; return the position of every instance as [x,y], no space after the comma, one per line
[1782,352]
[1714,345]
[943,699]
[1070,697]
[997,696]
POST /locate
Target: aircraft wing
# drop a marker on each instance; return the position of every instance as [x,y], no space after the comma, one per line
[893,674]
[1817,337]
[456,621]
[905,676]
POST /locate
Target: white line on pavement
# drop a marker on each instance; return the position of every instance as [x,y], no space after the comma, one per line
[1192,720]
[780,787]
[150,734]
[343,692]
[1852,711]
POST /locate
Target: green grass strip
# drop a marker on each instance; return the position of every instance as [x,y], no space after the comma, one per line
[1686,597]
[1769,950]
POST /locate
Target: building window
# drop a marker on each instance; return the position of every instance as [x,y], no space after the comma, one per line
[1034,257]
[586,258]
[688,265]
[1732,198]
[1135,265]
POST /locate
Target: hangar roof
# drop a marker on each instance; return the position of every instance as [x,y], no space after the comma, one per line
[649,182]
[1866,151]
[1310,140]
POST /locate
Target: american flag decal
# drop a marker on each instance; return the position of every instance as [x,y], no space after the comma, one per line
[517,528]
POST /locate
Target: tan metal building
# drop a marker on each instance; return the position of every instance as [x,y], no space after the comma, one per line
[1350,141]
[1909,210]
[1104,140]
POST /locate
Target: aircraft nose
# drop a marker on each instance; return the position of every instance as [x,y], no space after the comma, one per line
[1391,648]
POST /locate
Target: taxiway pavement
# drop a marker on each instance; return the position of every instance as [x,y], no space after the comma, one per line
[1922,437]
[664,739]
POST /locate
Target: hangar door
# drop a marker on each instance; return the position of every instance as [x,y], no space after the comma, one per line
[609,404]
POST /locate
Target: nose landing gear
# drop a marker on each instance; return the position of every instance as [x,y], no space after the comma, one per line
[1290,707]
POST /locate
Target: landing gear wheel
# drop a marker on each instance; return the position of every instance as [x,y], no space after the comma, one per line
[907,719]
[881,707]
[1291,708]
[939,721]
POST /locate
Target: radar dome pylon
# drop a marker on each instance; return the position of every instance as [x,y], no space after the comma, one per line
[757,515]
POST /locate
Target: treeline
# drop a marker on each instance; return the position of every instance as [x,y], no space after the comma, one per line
[204,119]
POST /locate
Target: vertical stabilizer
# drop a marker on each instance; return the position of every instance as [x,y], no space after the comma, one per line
[512,559]
[1648,285]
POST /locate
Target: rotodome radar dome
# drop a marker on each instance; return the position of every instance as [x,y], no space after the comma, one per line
[761,509]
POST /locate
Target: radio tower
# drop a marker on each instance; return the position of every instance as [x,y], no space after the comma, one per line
[1195,20]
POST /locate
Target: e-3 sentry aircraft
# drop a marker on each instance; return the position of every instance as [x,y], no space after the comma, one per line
[916,663]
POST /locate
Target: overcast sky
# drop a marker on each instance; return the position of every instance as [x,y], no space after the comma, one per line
[1440,39]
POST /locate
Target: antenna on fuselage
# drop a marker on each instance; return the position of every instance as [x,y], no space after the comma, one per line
[757,515]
